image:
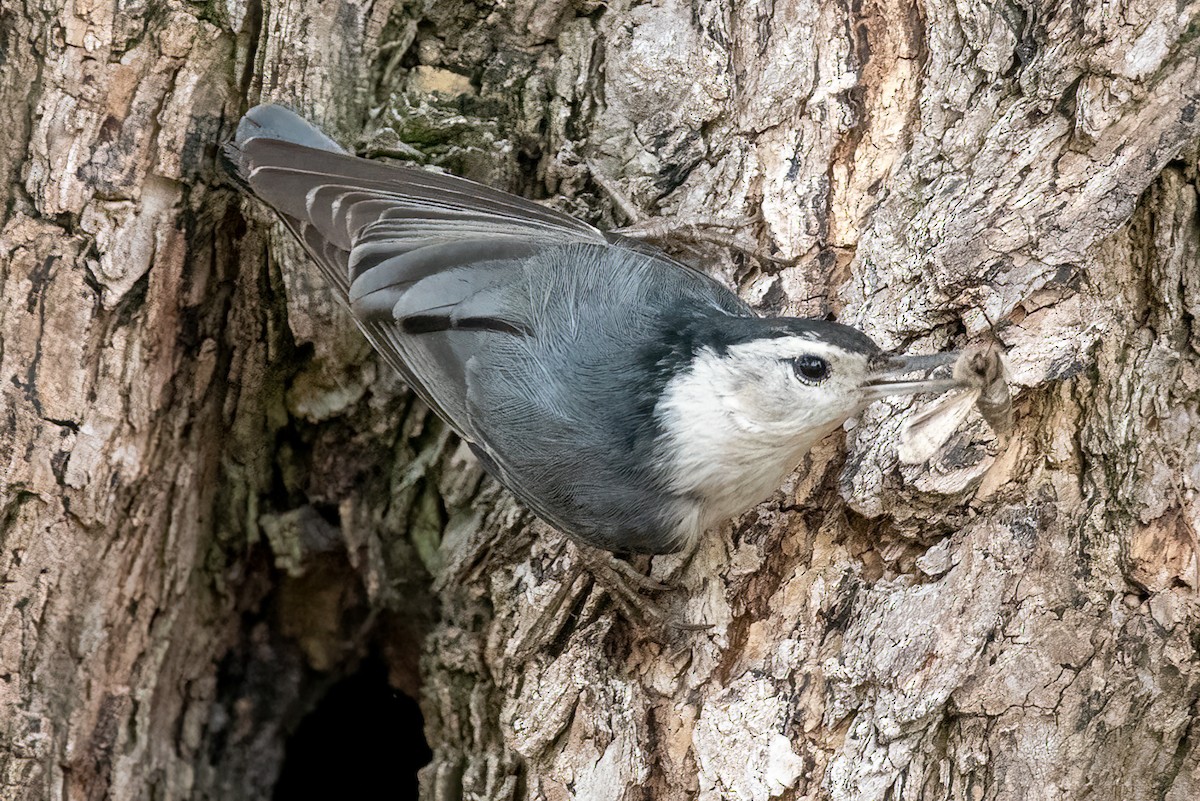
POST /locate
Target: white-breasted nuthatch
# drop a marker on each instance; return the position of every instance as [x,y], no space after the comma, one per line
[627,399]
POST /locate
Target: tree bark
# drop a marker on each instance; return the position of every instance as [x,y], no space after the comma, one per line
[215,502]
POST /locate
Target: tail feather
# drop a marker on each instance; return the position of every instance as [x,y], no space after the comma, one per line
[277,122]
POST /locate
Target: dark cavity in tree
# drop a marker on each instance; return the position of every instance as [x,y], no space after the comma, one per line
[364,740]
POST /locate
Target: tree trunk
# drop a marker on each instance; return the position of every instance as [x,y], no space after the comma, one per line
[216,504]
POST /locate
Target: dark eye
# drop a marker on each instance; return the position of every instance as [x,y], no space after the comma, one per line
[811,369]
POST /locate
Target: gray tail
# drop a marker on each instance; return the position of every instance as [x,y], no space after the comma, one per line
[277,123]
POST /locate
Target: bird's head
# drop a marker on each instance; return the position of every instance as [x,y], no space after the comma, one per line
[791,379]
[758,393]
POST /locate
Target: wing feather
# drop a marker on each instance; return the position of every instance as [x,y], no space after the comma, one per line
[379,231]
[444,276]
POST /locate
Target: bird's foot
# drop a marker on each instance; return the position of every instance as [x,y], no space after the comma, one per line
[632,590]
[708,231]
[591,576]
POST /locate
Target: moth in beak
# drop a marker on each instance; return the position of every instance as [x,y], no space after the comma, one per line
[980,380]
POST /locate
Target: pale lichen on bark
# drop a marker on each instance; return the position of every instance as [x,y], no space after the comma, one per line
[213,497]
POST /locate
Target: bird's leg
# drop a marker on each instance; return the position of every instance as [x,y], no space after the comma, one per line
[703,231]
[629,588]
[677,563]
[700,231]
[621,582]
[603,563]
[631,212]
[593,569]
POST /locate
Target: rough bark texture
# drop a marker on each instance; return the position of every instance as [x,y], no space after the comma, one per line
[214,502]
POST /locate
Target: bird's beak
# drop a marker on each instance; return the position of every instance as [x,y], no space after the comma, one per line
[890,374]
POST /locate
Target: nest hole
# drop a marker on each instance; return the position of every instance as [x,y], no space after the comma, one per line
[363,740]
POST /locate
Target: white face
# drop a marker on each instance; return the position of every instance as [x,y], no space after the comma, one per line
[737,424]
[787,387]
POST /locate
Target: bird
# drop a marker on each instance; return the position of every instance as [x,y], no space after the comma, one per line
[629,400]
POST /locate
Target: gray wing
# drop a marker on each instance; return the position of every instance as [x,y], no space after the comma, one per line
[501,314]
[412,252]
[378,231]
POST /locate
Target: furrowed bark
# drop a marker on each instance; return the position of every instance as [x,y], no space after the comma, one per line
[215,503]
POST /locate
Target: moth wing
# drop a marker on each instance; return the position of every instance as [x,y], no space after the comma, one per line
[927,431]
